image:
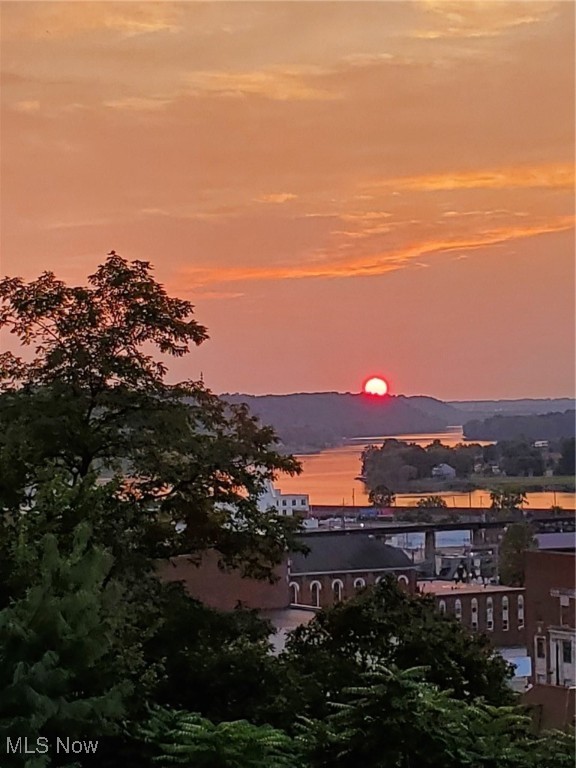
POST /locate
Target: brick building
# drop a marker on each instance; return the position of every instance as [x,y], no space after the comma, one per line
[225,590]
[490,609]
[551,635]
[338,566]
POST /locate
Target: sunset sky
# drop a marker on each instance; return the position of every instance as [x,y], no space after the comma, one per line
[341,189]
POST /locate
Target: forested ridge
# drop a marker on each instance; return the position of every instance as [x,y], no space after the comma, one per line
[307,422]
[543,426]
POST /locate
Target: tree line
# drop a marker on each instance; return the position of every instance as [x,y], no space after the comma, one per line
[397,464]
[105,469]
[546,426]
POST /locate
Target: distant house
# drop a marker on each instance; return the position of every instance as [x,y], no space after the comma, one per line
[443,472]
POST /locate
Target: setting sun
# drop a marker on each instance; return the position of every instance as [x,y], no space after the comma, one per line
[376,386]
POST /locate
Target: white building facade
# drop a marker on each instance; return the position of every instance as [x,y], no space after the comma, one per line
[287,504]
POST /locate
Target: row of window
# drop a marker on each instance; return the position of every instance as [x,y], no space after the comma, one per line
[302,502]
[489,612]
[337,589]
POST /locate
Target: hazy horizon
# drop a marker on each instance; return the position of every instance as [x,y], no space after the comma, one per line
[341,189]
[399,394]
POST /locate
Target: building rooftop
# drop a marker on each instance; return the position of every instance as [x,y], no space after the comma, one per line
[437,587]
[331,554]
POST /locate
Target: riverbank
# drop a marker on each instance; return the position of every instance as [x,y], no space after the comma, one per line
[431,486]
[329,477]
[564,483]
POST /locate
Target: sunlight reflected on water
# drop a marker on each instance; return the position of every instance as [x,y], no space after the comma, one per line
[329,477]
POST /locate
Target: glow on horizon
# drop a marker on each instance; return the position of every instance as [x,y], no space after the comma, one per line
[395,184]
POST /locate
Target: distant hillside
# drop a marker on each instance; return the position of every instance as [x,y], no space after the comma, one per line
[437,408]
[549,426]
[483,409]
[312,421]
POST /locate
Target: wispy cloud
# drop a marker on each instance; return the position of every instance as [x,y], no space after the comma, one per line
[279,197]
[67,20]
[490,213]
[473,19]
[190,213]
[292,84]
[138,104]
[375,263]
[364,216]
[559,176]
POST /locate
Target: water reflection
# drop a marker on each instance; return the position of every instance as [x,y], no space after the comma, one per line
[329,477]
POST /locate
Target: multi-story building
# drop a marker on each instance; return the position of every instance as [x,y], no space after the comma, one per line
[491,609]
[496,611]
[287,504]
[551,635]
[338,566]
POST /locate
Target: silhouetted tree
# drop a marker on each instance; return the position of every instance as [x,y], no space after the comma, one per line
[518,538]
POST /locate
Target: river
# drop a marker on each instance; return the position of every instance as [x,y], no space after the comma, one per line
[328,477]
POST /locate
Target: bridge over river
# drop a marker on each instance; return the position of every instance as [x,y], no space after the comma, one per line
[483,531]
[322,511]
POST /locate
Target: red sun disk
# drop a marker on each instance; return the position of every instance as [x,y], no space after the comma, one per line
[376,385]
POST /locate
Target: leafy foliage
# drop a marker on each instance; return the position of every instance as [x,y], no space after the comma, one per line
[508,502]
[381,496]
[517,538]
[92,434]
[183,738]
[93,401]
[567,462]
[530,427]
[216,664]
[396,720]
[396,463]
[387,626]
[66,657]
[105,467]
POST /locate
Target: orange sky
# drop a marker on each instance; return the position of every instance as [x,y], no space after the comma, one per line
[340,188]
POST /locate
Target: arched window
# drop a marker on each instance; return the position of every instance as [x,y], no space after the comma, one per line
[337,588]
[378,579]
[489,614]
[359,583]
[294,592]
[403,580]
[520,611]
[315,588]
[458,610]
[442,607]
[474,609]
[505,614]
